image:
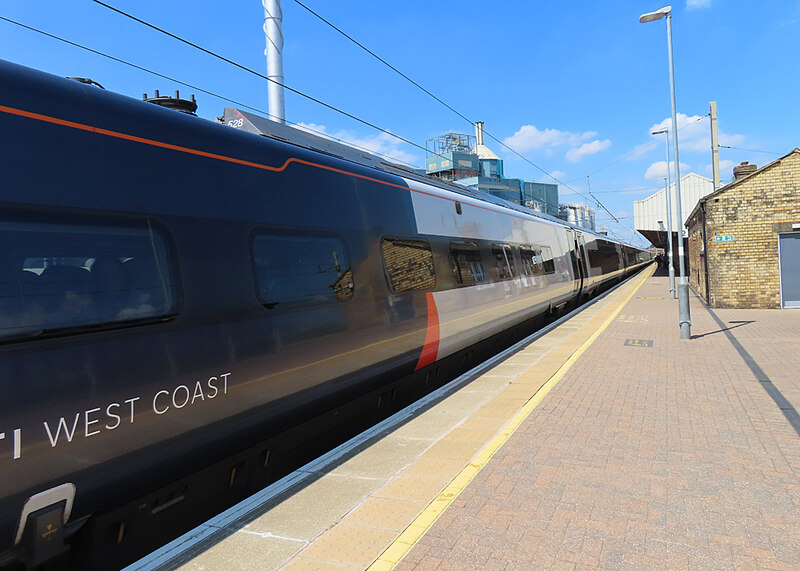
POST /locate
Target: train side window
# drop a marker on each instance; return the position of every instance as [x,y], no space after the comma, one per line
[409,264]
[503,261]
[465,259]
[62,278]
[548,263]
[531,260]
[301,270]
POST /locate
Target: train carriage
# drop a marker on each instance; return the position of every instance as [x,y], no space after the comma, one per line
[188,311]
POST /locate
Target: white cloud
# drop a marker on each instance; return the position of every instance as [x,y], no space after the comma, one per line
[694,134]
[659,169]
[725,169]
[694,4]
[557,174]
[574,155]
[529,138]
[382,143]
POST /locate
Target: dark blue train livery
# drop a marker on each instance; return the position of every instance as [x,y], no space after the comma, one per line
[189,311]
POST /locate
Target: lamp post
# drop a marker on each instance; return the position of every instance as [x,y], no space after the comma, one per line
[683,284]
[670,262]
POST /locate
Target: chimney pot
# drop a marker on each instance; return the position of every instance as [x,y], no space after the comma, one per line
[743,170]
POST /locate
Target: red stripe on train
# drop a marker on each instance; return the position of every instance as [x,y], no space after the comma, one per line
[431,347]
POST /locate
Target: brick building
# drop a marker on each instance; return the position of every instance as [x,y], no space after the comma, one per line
[744,239]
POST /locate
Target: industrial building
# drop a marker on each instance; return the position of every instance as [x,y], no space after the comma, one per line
[466,160]
[578,214]
[650,214]
[744,239]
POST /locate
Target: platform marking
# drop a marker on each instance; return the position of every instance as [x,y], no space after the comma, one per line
[202,536]
[393,554]
[638,342]
[633,319]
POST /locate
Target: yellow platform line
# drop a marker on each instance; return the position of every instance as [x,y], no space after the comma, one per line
[393,554]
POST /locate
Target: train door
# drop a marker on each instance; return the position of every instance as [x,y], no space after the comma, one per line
[583,259]
[576,255]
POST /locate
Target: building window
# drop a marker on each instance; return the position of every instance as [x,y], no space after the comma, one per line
[300,270]
[465,258]
[409,264]
[60,277]
[503,261]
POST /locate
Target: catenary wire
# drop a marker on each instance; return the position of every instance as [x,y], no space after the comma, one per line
[748,150]
[487,133]
[329,106]
[638,150]
[379,58]
[262,76]
[240,104]
[214,54]
[200,89]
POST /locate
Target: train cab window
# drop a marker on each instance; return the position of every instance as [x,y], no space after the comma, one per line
[465,259]
[503,261]
[58,278]
[301,270]
[409,264]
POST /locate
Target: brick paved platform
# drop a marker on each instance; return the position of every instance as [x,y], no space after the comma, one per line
[683,454]
[605,443]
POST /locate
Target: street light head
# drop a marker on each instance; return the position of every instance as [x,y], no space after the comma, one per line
[657,15]
[661,132]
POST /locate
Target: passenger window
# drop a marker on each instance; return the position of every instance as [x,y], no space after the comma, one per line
[503,261]
[531,261]
[301,270]
[547,260]
[466,262]
[409,264]
[537,260]
[57,277]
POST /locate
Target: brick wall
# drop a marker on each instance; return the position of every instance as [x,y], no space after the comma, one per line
[744,272]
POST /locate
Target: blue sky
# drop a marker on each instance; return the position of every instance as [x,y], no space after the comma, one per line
[576,87]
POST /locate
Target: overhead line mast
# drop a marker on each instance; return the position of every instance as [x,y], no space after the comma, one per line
[273,20]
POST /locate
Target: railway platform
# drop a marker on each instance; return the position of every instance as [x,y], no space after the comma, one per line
[607,443]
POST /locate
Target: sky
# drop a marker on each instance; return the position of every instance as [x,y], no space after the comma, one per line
[575,87]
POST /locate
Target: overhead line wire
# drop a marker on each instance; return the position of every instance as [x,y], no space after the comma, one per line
[331,107]
[749,150]
[379,58]
[488,134]
[200,89]
[261,75]
[122,61]
[640,149]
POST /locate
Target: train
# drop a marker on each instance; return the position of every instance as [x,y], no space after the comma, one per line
[190,310]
